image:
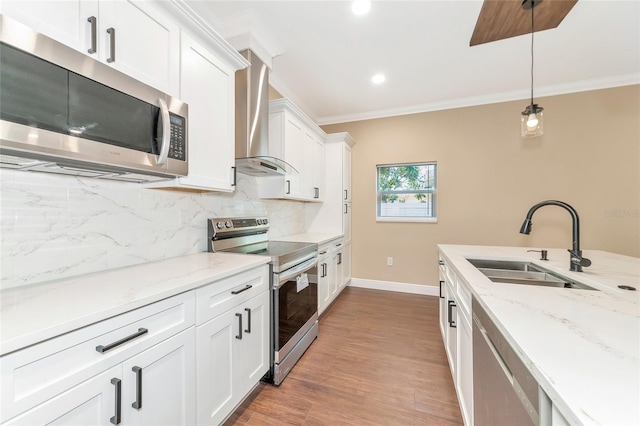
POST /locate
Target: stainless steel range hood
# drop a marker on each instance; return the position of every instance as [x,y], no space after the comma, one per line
[252,121]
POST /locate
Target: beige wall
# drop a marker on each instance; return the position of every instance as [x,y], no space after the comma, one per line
[488,178]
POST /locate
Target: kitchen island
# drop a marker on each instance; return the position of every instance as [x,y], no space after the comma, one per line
[582,346]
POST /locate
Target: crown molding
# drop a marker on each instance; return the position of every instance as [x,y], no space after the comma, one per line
[562,89]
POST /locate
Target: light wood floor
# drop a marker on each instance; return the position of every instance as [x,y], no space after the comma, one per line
[378,360]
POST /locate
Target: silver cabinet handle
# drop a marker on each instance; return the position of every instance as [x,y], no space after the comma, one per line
[345,194]
[161,158]
[346,208]
[102,349]
[245,288]
[112,45]
[235,176]
[288,187]
[137,404]
[316,192]
[441,296]
[118,408]
[94,34]
[239,336]
[451,304]
[248,329]
[339,258]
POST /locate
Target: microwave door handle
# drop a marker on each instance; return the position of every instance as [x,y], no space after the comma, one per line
[166,133]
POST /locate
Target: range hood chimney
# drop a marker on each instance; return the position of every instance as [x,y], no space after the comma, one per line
[252,121]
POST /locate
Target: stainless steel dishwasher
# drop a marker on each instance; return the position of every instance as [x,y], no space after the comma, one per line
[504,391]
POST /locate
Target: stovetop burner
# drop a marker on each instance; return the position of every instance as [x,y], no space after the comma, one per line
[250,236]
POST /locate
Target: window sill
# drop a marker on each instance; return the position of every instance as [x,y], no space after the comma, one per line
[408,219]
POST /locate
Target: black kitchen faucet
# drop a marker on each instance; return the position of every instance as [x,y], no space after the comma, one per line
[576,261]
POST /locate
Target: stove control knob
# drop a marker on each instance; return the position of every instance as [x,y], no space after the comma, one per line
[264,221]
[258,221]
[220,225]
[229,224]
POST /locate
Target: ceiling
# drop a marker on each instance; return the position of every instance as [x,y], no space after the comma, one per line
[324,56]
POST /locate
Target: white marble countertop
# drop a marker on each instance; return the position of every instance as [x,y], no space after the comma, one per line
[582,346]
[33,313]
[308,237]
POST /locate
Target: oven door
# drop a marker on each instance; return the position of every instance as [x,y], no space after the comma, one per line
[295,306]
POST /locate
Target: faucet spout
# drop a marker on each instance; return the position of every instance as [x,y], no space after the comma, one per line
[576,260]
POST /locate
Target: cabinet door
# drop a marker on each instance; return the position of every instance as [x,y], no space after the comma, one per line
[293,151]
[93,402]
[66,21]
[160,383]
[317,167]
[346,264]
[147,43]
[207,86]
[346,172]
[216,357]
[443,306]
[451,329]
[254,351]
[324,294]
[339,270]
[464,384]
[346,222]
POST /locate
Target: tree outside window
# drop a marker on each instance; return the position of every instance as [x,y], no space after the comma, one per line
[407,192]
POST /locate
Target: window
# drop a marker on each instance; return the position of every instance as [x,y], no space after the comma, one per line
[406,192]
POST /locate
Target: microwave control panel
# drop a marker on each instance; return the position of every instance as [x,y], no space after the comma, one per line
[177,145]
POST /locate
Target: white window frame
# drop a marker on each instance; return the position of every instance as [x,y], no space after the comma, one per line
[433,193]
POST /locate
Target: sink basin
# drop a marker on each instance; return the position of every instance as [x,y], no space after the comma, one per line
[521,272]
[507,265]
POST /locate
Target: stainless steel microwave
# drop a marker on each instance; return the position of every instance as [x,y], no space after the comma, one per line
[62,111]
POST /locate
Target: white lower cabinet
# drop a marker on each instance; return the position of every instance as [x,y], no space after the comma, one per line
[119,371]
[331,273]
[456,328]
[232,352]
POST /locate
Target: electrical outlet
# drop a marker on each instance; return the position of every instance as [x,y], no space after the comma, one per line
[389,261]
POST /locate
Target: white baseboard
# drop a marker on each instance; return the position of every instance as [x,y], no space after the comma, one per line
[427,290]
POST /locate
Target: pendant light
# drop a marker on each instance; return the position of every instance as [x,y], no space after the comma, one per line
[531,118]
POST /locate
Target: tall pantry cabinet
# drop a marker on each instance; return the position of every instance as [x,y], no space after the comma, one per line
[334,214]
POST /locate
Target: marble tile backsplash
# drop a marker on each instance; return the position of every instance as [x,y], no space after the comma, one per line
[54,226]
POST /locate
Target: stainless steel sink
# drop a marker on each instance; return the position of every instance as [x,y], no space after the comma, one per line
[520,272]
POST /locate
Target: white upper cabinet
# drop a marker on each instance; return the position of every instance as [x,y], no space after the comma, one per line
[138,40]
[346,172]
[132,37]
[296,139]
[66,21]
[207,85]
[334,214]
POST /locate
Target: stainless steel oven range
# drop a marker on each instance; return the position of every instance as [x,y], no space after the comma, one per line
[293,286]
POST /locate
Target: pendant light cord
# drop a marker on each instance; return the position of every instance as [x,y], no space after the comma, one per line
[532,31]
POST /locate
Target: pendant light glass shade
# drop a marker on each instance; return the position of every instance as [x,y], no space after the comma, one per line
[531,124]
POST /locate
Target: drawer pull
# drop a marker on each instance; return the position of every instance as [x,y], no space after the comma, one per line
[247,287]
[451,304]
[112,45]
[137,404]
[323,252]
[93,21]
[441,296]
[102,349]
[118,408]
[248,329]
[239,336]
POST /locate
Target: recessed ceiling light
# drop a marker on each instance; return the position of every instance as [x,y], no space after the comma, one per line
[378,78]
[360,7]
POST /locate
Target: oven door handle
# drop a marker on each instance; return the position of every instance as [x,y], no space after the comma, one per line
[297,270]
